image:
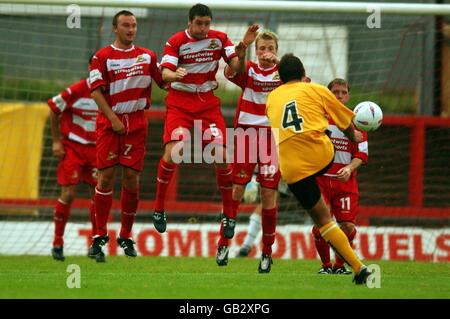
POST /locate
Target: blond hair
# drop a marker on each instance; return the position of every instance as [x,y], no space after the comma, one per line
[267,35]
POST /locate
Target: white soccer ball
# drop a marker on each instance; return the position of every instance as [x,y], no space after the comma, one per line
[368,116]
[251,191]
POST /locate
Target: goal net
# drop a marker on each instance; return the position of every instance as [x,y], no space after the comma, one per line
[400,61]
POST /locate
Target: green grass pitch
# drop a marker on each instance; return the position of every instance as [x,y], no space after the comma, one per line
[201,278]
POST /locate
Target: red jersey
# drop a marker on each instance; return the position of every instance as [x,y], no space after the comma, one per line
[200,58]
[346,150]
[126,76]
[78,112]
[256,83]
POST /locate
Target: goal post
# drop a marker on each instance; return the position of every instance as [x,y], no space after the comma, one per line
[394,54]
[275,6]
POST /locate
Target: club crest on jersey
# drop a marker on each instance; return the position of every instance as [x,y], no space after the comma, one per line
[139,59]
[276,77]
[111,156]
[74,175]
[213,44]
[242,174]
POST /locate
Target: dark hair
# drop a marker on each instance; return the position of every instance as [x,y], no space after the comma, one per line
[121,13]
[290,68]
[338,81]
[199,10]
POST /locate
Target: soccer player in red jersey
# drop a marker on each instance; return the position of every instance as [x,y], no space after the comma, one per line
[339,186]
[73,130]
[190,63]
[254,142]
[121,76]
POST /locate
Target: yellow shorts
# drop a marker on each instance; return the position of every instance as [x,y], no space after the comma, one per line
[303,155]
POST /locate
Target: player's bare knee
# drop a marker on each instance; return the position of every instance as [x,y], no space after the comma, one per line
[225,156]
[319,219]
[171,149]
[238,191]
[320,213]
[105,184]
[130,178]
[347,227]
[105,179]
[220,154]
[91,191]
[68,194]
[131,184]
[268,198]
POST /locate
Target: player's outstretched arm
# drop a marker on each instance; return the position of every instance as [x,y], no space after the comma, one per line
[249,38]
[102,104]
[237,64]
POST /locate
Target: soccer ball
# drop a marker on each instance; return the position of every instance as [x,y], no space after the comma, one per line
[251,194]
[368,116]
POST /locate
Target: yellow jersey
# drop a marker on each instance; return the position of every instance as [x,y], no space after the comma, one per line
[297,114]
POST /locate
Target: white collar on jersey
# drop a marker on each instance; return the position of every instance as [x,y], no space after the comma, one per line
[267,69]
[187,34]
[123,50]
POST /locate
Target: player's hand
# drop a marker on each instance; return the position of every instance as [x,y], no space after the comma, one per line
[180,73]
[251,34]
[240,50]
[58,149]
[344,174]
[270,57]
[117,126]
[228,72]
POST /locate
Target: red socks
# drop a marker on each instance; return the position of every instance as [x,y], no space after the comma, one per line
[92,217]
[103,203]
[129,201]
[225,183]
[269,224]
[61,215]
[235,206]
[322,247]
[165,173]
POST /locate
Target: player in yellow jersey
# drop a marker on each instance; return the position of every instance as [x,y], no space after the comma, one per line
[296,112]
